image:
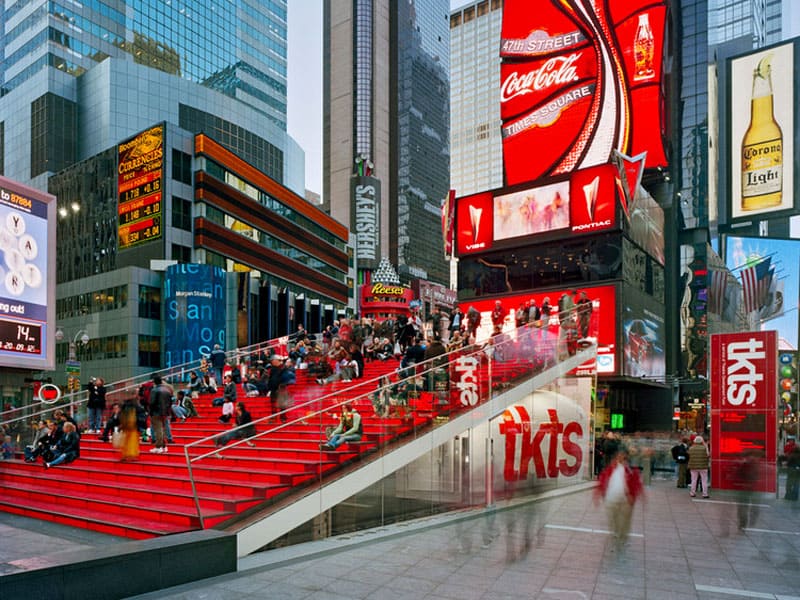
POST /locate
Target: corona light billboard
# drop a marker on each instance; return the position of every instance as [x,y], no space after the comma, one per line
[744,385]
[579,80]
[762,115]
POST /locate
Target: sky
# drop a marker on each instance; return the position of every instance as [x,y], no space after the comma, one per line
[304,94]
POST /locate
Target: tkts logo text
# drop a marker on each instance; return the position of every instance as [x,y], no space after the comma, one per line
[745,366]
[549,440]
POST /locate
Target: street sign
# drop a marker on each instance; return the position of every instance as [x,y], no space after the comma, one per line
[73,367]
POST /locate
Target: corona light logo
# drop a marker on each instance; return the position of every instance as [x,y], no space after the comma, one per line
[385,290]
[541,446]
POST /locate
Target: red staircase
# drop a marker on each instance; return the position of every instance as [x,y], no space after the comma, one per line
[153,496]
[157,495]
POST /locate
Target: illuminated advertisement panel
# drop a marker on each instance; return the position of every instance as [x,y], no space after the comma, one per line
[600,324]
[488,217]
[27,276]
[594,199]
[535,210]
[194,312]
[762,132]
[571,75]
[744,383]
[474,223]
[139,188]
[643,337]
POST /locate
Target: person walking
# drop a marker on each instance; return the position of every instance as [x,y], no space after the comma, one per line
[620,486]
[218,362]
[129,449]
[698,466]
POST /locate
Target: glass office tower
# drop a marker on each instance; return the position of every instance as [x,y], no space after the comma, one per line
[237,47]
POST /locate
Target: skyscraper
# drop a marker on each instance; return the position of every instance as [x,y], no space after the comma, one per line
[475,143]
[237,48]
[386,104]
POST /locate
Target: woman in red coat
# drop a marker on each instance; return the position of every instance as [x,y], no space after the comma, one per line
[620,485]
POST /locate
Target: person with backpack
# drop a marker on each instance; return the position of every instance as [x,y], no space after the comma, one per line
[680,454]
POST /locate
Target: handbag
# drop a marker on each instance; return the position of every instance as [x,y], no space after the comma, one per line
[116,439]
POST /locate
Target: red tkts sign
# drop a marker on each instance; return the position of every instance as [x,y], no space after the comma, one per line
[578,81]
[744,404]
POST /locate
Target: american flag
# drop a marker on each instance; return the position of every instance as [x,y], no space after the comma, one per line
[756,280]
[716,293]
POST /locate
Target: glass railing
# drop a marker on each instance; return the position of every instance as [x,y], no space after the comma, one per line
[498,420]
[20,422]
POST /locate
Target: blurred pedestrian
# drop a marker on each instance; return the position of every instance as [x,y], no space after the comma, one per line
[793,474]
[129,424]
[698,466]
[620,486]
[746,476]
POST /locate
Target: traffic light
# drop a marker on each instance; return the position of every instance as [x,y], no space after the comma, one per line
[787,382]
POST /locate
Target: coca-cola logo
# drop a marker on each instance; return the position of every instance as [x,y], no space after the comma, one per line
[552,436]
[558,70]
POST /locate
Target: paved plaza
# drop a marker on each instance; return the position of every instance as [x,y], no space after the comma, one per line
[555,548]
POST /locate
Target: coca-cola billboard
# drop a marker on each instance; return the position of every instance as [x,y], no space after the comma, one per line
[744,405]
[580,79]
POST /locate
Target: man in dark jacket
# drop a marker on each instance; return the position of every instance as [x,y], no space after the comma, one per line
[680,454]
[68,447]
[218,362]
[160,403]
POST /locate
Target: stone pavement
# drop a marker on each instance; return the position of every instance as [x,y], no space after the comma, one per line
[554,548]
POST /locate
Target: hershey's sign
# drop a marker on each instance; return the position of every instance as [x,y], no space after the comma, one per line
[366,220]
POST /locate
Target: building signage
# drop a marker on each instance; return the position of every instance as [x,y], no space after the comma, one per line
[194,312]
[27,276]
[578,81]
[744,410]
[139,187]
[475,223]
[366,204]
[380,289]
[584,201]
[594,199]
[762,132]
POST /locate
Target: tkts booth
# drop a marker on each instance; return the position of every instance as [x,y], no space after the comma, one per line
[582,104]
[744,411]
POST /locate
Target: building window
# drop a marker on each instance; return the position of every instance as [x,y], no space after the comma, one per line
[183,254]
[181,167]
[149,351]
[53,134]
[149,302]
[181,213]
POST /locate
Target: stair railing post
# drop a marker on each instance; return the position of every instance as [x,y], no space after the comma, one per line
[194,486]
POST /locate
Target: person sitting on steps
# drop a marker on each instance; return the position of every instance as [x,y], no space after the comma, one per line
[349,429]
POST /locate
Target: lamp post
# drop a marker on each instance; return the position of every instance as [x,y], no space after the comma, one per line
[81,336]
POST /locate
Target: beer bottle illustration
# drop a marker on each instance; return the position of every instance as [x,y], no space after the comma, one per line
[762,146]
[643,49]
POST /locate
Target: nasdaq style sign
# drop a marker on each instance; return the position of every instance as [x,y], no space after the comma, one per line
[579,80]
[366,219]
[140,171]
